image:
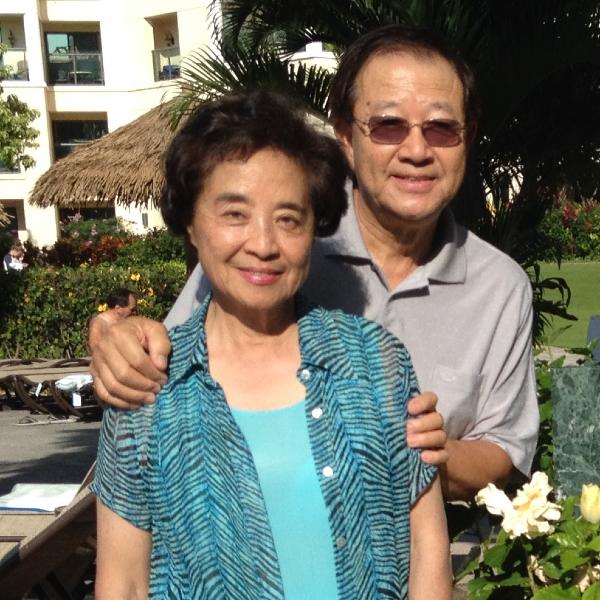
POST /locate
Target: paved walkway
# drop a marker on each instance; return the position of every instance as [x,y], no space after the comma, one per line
[46,453]
[551,353]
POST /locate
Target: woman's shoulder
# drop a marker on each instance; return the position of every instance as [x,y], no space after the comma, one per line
[356,326]
[362,338]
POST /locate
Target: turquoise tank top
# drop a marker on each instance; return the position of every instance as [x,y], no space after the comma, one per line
[280,446]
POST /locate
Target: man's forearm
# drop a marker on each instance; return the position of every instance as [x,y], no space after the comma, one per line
[472,464]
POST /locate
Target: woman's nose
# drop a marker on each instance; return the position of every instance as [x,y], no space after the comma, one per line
[261,239]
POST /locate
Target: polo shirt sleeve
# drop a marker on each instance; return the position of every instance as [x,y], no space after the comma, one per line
[508,413]
[119,481]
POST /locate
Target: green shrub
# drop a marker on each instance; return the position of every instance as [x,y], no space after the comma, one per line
[88,229]
[70,252]
[573,230]
[44,312]
[108,246]
[6,242]
[158,245]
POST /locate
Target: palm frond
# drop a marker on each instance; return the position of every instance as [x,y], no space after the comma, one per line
[208,73]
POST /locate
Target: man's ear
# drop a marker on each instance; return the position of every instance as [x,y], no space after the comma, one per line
[343,133]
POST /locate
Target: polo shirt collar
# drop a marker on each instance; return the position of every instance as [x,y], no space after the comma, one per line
[347,240]
[321,344]
[448,263]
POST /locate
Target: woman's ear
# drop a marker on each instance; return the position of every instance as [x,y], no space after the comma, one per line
[191,236]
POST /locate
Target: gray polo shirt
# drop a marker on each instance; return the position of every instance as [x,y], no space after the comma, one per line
[465,317]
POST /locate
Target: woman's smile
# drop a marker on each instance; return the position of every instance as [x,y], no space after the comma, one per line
[260,276]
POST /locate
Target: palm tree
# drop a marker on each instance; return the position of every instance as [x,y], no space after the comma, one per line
[538,68]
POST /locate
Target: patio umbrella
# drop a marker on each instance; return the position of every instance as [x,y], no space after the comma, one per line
[124,166]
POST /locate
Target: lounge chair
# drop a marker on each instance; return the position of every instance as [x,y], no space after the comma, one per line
[49,555]
[33,384]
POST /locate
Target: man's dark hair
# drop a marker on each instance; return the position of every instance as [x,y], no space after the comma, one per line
[236,126]
[119,297]
[390,39]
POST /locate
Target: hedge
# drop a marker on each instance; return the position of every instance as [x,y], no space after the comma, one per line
[44,311]
[572,231]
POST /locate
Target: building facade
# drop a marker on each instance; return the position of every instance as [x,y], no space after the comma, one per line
[89,67]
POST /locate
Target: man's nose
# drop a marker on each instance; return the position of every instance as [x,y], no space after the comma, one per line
[415,148]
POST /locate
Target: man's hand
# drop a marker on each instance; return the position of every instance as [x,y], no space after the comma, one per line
[129,363]
[425,429]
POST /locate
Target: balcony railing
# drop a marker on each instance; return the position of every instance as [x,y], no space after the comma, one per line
[16,60]
[166,63]
[75,68]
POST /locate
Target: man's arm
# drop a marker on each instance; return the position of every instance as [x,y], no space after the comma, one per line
[472,464]
[503,438]
[96,328]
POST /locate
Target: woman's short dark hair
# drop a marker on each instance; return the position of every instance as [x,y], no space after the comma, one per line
[390,39]
[236,126]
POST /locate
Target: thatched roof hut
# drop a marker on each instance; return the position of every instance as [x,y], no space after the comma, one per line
[123,166]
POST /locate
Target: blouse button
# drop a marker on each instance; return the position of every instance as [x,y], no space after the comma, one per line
[304,375]
[327,471]
[340,542]
[317,412]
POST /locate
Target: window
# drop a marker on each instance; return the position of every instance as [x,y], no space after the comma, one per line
[5,169]
[166,56]
[104,212]
[70,134]
[14,57]
[74,58]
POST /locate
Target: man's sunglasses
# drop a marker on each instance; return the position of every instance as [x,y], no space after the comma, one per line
[439,133]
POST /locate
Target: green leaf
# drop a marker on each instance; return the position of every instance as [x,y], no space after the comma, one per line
[568,506]
[566,540]
[496,555]
[480,589]
[468,568]
[513,580]
[592,593]
[570,559]
[556,592]
[552,570]
[546,410]
[594,545]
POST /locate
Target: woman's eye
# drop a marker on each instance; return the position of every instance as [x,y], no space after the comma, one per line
[234,215]
[289,222]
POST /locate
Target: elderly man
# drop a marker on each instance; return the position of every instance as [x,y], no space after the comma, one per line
[403,109]
[121,303]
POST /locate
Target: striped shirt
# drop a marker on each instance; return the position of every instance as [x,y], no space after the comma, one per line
[182,469]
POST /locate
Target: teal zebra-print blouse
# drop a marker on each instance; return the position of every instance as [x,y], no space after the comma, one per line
[182,469]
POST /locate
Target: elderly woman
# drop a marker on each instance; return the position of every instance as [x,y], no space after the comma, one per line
[274,462]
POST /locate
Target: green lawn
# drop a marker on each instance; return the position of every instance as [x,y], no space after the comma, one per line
[584,280]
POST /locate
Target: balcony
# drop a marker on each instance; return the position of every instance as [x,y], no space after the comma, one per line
[16,60]
[167,62]
[75,68]
[67,135]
